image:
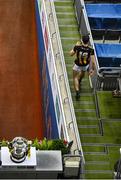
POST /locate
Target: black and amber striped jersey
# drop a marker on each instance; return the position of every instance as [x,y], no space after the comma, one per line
[83,54]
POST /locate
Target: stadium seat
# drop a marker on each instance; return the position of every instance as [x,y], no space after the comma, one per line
[102,1]
[98,35]
[112,36]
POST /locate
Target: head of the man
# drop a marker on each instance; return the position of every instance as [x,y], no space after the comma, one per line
[85,39]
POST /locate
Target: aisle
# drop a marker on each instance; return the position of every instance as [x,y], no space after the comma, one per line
[97,163]
[20,96]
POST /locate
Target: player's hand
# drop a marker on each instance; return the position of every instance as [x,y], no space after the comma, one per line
[91,72]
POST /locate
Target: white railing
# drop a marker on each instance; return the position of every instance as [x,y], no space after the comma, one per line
[50,35]
[63,83]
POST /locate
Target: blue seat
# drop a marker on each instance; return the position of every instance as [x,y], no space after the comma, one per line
[98,34]
[109,55]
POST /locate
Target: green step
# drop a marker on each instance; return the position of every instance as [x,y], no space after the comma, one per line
[97,166]
[71,34]
[112,129]
[96,157]
[67,22]
[69,68]
[83,89]
[69,59]
[69,42]
[105,99]
[84,106]
[69,46]
[85,114]
[114,154]
[61,9]
[94,148]
[66,54]
[100,175]
[68,28]
[87,122]
[85,82]
[83,98]
[64,3]
[65,15]
[87,118]
[84,86]
[80,110]
[88,130]
[98,139]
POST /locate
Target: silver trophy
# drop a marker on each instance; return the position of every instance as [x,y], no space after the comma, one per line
[19,148]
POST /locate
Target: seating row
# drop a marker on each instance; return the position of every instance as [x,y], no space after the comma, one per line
[104,16]
[102,1]
[105,35]
[109,55]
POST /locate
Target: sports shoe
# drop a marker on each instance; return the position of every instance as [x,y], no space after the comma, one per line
[77,95]
[80,81]
[79,84]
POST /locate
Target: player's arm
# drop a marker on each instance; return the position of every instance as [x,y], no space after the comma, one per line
[73,51]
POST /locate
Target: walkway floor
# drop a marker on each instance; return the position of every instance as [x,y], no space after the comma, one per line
[20,95]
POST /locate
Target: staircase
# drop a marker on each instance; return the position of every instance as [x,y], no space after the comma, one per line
[96,155]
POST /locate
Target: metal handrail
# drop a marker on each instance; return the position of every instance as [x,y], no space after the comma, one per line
[105,71]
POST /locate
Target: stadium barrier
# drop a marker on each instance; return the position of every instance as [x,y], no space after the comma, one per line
[58,76]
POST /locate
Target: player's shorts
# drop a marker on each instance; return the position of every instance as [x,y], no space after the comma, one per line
[80,68]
